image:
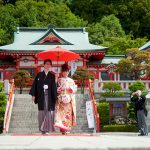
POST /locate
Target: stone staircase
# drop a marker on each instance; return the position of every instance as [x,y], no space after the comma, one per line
[24,116]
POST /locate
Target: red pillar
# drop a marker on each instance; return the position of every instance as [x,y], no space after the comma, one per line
[37,68]
[17,63]
[84,61]
[111,76]
[97,73]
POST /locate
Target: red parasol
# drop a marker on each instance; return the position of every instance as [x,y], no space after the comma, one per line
[58,54]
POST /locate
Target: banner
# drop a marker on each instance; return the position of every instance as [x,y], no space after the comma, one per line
[73,67]
[89,114]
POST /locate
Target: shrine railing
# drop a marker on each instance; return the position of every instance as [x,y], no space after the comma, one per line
[9,108]
[96,114]
[98,85]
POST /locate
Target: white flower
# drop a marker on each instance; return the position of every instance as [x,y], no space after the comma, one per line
[45,87]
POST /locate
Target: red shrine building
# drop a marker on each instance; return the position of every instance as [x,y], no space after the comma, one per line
[21,54]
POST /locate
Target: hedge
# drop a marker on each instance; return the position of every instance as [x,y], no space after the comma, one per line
[2,110]
[120,128]
[103,110]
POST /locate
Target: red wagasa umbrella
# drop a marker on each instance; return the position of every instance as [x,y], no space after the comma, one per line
[58,54]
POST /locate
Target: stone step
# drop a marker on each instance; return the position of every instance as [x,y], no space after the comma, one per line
[25,113]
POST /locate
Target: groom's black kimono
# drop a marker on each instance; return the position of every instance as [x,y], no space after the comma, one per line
[45,99]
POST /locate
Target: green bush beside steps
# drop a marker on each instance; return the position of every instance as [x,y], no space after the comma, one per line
[2,110]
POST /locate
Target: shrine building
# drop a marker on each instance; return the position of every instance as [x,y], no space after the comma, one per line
[21,54]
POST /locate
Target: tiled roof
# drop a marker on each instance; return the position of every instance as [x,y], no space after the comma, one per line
[77,37]
[108,59]
[145,46]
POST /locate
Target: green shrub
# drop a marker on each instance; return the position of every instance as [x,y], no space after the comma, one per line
[112,86]
[2,109]
[131,111]
[137,86]
[1,86]
[120,128]
[103,110]
[110,94]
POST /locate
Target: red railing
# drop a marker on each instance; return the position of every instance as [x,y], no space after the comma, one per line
[8,108]
[96,114]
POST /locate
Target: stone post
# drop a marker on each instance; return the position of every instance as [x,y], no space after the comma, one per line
[96,88]
[148,110]
[6,86]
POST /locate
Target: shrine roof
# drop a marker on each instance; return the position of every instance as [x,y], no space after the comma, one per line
[108,59]
[30,39]
[114,59]
[145,46]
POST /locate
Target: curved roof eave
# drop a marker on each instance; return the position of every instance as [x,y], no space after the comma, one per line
[145,46]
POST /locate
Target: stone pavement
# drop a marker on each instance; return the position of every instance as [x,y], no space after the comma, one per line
[99,141]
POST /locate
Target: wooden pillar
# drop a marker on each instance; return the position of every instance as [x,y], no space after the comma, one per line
[85,59]
[37,68]
[111,76]
[97,74]
[84,62]
[17,62]
[117,76]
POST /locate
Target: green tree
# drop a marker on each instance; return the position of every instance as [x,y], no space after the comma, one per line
[133,14]
[108,27]
[21,79]
[109,33]
[118,45]
[112,87]
[136,64]
[137,86]
[32,13]
[82,75]
[8,23]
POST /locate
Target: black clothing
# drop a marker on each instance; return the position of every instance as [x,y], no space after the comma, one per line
[37,90]
[139,102]
[140,110]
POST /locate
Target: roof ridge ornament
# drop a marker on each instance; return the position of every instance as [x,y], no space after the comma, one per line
[50,26]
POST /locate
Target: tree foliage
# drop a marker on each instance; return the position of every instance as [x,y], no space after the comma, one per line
[108,27]
[21,78]
[137,64]
[133,14]
[137,86]
[109,33]
[32,13]
[112,87]
[118,45]
[82,75]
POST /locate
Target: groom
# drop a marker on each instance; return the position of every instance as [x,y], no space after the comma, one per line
[44,93]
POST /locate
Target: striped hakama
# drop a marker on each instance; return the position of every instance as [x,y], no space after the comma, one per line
[45,117]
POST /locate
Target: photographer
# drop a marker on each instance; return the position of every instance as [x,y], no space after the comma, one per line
[139,104]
